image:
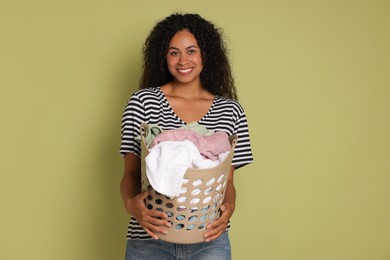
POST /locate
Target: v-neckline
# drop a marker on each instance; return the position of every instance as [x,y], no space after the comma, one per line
[174,113]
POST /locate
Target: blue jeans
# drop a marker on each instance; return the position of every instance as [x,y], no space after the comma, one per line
[218,249]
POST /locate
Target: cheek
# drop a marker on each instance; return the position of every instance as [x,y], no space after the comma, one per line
[199,59]
[171,61]
[171,66]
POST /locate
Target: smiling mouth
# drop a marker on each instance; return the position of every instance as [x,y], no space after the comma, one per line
[185,70]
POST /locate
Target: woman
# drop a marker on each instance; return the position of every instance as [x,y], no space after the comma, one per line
[186,78]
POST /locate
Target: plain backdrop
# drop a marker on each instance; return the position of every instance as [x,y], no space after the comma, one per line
[312,76]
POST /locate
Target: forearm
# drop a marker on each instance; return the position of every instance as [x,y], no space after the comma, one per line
[129,187]
[230,195]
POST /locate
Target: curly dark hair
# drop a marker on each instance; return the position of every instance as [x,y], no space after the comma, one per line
[216,76]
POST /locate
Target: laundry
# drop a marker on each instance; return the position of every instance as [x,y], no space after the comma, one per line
[209,146]
[198,128]
[152,130]
[168,161]
[207,163]
[150,133]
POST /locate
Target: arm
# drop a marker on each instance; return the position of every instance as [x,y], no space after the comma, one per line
[219,226]
[133,199]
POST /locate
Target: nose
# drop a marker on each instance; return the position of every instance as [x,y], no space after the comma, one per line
[183,59]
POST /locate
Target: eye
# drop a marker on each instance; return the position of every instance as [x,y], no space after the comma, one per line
[174,53]
[191,51]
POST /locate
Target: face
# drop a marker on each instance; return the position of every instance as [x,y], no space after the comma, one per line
[184,58]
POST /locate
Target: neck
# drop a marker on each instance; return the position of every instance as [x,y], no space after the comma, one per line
[187,90]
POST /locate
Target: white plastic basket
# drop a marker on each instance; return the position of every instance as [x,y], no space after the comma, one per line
[197,205]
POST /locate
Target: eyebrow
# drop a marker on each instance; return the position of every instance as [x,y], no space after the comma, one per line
[189,47]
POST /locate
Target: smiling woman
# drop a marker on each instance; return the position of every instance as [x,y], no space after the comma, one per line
[186,78]
[184,58]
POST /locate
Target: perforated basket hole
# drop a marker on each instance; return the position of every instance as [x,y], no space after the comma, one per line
[205,208]
[203,218]
[207,200]
[201,225]
[215,206]
[179,226]
[169,205]
[192,218]
[191,227]
[210,182]
[208,191]
[182,199]
[220,178]
[158,201]
[181,208]
[160,209]
[169,214]
[185,181]
[180,217]
[196,192]
[216,197]
[197,182]
[219,187]
[194,209]
[150,197]
[194,201]
[149,206]
[183,190]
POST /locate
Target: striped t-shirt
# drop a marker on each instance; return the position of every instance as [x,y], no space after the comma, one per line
[151,106]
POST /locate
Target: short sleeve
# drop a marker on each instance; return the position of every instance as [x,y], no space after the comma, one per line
[243,151]
[132,118]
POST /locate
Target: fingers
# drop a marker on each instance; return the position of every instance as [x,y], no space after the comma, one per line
[216,229]
[153,221]
[143,195]
[153,230]
[219,226]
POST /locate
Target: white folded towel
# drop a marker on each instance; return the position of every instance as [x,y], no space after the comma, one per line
[168,161]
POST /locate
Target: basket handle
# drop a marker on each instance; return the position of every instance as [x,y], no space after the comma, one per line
[144,128]
[233,140]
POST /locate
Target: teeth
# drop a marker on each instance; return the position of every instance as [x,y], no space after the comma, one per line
[185,71]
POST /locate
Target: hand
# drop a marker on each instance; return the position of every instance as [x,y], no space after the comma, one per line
[219,226]
[147,218]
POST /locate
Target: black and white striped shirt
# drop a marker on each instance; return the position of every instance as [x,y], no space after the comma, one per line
[151,106]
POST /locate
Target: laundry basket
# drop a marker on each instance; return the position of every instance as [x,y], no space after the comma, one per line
[198,204]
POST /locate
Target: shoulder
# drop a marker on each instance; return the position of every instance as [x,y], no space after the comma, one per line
[147,93]
[145,96]
[229,103]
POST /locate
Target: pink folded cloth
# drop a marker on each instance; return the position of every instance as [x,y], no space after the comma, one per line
[209,146]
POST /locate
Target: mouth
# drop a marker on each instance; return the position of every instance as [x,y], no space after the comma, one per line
[185,70]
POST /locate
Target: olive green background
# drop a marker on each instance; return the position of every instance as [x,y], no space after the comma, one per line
[313,77]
